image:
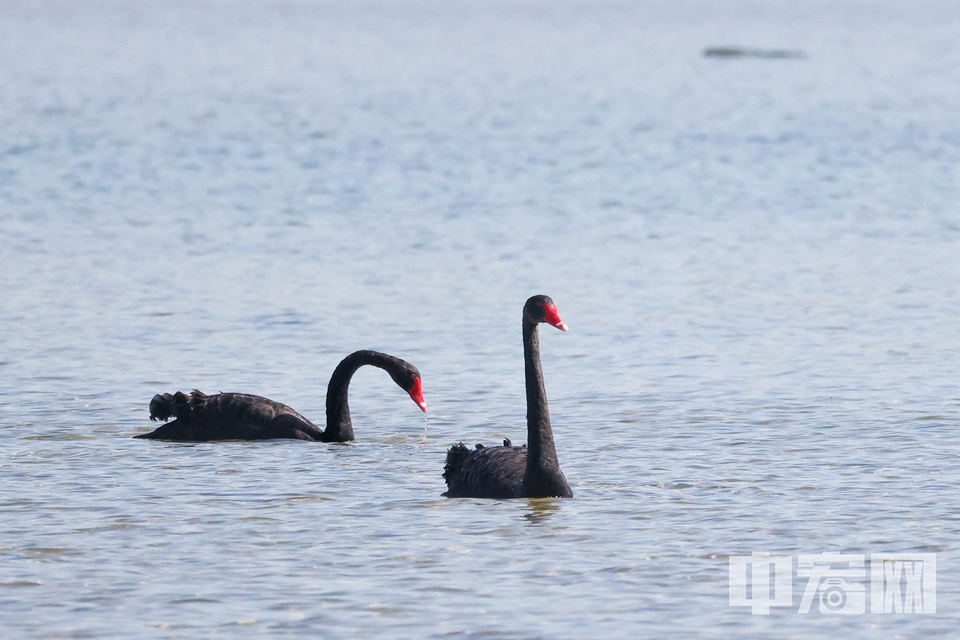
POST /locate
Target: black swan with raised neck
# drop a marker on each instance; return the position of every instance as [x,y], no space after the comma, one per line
[530,471]
[241,416]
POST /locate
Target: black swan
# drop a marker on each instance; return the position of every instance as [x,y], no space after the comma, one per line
[530,471]
[241,416]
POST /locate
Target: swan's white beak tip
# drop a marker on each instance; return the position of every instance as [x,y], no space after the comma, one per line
[423,406]
[562,326]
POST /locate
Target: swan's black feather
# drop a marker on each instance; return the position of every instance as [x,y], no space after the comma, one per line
[226,416]
[485,472]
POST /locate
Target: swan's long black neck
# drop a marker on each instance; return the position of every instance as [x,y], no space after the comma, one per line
[339,428]
[541,452]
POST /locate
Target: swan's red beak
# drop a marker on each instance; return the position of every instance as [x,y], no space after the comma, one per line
[551,317]
[416,392]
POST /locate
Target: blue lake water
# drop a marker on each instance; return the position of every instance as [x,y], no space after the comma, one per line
[758,258]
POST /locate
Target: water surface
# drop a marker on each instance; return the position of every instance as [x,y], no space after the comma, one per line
[758,259]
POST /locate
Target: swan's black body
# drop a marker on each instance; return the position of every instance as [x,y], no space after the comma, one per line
[530,471]
[241,416]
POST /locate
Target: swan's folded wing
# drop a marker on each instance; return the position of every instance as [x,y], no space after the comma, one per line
[490,472]
[296,426]
[241,416]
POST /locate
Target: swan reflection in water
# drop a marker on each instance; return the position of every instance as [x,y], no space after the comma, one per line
[540,510]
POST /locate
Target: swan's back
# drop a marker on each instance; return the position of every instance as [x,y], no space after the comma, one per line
[226,416]
[485,472]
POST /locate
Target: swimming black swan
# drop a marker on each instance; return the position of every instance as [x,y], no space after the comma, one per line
[241,416]
[530,471]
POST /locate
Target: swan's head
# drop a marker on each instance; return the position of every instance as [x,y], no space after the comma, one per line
[409,380]
[542,309]
[416,392]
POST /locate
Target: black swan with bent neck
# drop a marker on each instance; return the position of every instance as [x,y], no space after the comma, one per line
[241,416]
[530,471]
